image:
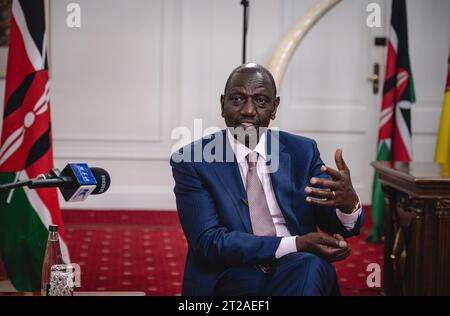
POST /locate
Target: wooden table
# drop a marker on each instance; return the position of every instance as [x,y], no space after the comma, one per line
[417,227]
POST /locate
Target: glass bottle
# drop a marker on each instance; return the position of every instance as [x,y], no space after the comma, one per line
[52,256]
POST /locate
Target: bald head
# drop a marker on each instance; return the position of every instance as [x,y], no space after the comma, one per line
[252,68]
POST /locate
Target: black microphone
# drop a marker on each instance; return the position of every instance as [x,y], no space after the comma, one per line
[76,182]
[103,180]
[245,201]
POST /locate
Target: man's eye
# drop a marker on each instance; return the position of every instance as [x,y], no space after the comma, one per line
[237,99]
[261,101]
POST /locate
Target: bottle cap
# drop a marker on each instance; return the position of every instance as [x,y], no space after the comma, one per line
[53,228]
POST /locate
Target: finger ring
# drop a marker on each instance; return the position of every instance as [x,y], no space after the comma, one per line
[334,194]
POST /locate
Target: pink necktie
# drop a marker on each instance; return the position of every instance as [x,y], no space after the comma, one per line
[260,217]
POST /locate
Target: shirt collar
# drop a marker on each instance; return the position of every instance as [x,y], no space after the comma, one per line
[241,151]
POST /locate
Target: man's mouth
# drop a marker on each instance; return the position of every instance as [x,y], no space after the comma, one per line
[247,124]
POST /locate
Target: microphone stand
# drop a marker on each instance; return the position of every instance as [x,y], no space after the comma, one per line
[5,188]
[245,4]
[43,179]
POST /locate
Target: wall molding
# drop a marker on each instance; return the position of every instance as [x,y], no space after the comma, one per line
[69,138]
[126,201]
[111,156]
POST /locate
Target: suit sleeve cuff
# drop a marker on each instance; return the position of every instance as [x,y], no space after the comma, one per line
[287,246]
[348,220]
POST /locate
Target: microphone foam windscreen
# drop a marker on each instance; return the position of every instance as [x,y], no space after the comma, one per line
[103,180]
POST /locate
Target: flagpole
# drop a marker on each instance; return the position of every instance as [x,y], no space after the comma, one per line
[47,30]
[245,4]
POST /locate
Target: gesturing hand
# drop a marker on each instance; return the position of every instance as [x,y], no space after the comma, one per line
[329,248]
[338,192]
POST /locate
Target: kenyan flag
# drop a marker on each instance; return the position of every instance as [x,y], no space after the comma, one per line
[394,135]
[26,150]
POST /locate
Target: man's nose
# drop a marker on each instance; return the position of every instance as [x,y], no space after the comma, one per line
[249,108]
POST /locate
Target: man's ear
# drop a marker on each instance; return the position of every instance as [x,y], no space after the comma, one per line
[222,102]
[276,103]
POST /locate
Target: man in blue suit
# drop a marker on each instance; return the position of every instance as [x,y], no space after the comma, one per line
[251,200]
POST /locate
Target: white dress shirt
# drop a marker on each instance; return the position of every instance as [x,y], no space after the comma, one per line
[287,244]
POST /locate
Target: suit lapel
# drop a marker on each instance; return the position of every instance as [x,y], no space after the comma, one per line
[281,177]
[228,173]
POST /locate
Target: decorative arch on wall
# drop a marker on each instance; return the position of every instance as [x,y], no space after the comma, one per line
[291,40]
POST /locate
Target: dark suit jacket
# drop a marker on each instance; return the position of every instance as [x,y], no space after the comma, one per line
[210,199]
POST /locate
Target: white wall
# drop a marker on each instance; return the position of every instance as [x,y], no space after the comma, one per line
[136,69]
[429,41]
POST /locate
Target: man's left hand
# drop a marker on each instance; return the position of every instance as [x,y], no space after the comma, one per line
[338,192]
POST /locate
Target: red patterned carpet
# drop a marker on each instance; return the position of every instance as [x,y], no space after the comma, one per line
[145,251]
